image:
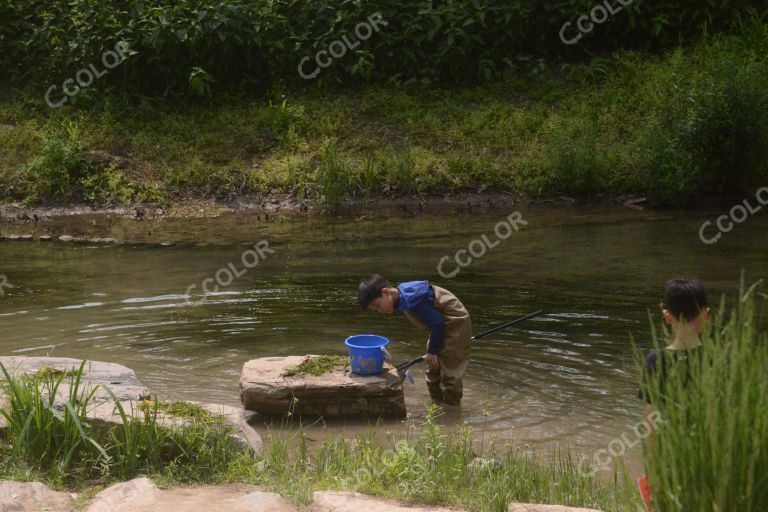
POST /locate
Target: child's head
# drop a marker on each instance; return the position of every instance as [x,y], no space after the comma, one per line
[376,293]
[685,303]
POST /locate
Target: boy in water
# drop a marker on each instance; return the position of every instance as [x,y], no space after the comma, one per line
[685,310]
[438,311]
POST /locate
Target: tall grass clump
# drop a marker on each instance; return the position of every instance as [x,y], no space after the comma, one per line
[710,448]
[50,433]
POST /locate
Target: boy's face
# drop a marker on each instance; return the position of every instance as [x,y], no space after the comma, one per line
[386,303]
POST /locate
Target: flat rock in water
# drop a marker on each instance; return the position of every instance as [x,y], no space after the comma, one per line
[264,388]
[32,497]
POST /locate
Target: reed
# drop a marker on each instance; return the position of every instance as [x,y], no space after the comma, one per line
[710,447]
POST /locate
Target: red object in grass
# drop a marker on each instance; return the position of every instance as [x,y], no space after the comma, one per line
[645,491]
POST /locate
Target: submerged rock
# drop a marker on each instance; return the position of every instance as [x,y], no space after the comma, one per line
[266,389]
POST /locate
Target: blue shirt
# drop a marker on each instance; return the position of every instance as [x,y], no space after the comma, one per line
[417,297]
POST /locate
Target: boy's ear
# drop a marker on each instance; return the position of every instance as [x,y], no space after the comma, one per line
[668,318]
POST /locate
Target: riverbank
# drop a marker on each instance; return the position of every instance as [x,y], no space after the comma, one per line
[79,443]
[670,128]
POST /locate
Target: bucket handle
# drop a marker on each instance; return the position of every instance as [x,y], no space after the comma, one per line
[387,355]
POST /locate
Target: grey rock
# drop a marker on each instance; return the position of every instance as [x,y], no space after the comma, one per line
[32,497]
[265,389]
[45,238]
[142,495]
[66,238]
[332,501]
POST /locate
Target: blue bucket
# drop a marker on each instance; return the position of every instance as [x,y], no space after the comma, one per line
[367,353]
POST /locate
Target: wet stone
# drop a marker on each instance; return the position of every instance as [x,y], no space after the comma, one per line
[265,388]
[66,238]
[45,238]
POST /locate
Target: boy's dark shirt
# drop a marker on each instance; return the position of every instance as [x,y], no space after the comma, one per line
[666,357]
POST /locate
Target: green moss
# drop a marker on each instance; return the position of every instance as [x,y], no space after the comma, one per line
[181,410]
[318,365]
[47,374]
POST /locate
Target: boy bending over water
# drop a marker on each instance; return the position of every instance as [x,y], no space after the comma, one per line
[432,309]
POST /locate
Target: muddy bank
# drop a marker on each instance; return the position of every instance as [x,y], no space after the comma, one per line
[208,222]
[289,205]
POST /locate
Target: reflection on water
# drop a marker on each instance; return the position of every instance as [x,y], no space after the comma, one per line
[567,376]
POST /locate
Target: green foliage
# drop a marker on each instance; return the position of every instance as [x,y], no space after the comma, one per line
[709,450]
[428,466]
[197,46]
[60,441]
[57,171]
[573,162]
[708,131]
[674,128]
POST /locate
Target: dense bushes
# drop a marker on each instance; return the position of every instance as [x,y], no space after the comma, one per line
[201,45]
[709,131]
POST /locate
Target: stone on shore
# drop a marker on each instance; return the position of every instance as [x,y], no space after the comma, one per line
[141,495]
[32,497]
[128,391]
[528,507]
[333,501]
[264,388]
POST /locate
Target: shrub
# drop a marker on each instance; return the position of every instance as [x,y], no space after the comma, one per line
[708,131]
[572,161]
[196,46]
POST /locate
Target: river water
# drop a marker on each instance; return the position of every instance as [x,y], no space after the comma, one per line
[567,377]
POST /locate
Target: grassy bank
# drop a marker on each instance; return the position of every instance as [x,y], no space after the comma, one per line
[676,128]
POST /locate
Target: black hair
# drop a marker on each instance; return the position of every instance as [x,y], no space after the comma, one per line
[370,289]
[685,297]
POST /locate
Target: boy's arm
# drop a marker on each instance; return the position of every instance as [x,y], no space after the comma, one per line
[434,322]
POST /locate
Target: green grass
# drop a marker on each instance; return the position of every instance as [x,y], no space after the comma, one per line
[318,365]
[673,127]
[710,449]
[426,466]
[59,443]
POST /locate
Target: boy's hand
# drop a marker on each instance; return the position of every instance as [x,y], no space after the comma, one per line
[432,361]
